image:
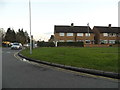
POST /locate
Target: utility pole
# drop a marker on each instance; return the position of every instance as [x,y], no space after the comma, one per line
[30,27]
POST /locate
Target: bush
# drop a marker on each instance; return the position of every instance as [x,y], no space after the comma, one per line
[77,44]
[52,44]
[45,44]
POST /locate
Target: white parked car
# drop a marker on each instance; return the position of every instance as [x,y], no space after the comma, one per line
[16,46]
[27,45]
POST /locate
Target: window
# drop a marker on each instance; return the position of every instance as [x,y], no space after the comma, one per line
[69,34]
[112,34]
[105,34]
[112,41]
[118,34]
[61,34]
[61,40]
[79,34]
[87,34]
[104,41]
[87,41]
[80,40]
[69,40]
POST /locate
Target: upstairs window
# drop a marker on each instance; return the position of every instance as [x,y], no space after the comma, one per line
[112,34]
[79,34]
[87,34]
[62,34]
[69,34]
[105,34]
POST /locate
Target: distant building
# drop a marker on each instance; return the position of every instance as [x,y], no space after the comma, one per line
[51,38]
[106,35]
[73,33]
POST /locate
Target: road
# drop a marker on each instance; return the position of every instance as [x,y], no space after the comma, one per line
[19,73]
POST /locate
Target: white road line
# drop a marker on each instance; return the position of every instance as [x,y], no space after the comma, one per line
[62,69]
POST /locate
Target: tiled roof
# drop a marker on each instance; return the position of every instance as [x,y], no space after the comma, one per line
[71,29]
[107,29]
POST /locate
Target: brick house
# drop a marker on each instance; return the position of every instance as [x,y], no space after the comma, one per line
[106,35]
[73,33]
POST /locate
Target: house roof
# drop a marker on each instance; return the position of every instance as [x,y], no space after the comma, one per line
[107,29]
[71,29]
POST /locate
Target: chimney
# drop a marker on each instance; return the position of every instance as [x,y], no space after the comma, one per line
[109,25]
[72,24]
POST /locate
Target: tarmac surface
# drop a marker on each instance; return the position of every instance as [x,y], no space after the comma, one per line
[19,73]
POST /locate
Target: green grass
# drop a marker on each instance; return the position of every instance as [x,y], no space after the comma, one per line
[105,59]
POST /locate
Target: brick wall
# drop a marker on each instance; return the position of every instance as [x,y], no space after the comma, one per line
[74,37]
[99,36]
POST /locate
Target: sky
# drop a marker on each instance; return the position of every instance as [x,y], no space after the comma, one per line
[47,13]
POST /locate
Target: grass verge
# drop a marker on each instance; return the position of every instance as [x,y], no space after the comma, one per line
[105,59]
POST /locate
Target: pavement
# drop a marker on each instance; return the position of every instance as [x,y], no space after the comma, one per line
[21,73]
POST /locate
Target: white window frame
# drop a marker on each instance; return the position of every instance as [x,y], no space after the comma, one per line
[79,34]
[69,40]
[61,40]
[112,34]
[88,41]
[69,34]
[80,40]
[105,34]
[86,34]
[105,41]
[61,34]
[111,41]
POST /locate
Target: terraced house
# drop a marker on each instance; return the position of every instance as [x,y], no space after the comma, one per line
[63,33]
[106,35]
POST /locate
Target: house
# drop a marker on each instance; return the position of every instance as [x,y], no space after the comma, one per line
[71,33]
[106,34]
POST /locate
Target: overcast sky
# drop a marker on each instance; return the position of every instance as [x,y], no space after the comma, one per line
[47,13]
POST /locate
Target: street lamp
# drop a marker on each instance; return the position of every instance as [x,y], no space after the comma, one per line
[88,32]
[30,27]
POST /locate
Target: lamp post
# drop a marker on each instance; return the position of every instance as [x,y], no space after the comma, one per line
[30,27]
[88,32]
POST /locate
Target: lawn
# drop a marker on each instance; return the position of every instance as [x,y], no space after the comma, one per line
[105,59]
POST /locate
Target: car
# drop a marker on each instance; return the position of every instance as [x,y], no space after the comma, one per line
[16,46]
[27,45]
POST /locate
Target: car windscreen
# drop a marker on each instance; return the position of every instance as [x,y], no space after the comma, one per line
[16,44]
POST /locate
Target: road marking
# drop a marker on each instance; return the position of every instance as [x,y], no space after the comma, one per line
[62,69]
[15,55]
[8,52]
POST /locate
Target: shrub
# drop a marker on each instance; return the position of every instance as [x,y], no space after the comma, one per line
[52,44]
[45,44]
[77,44]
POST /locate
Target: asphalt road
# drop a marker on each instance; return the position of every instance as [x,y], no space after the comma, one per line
[21,74]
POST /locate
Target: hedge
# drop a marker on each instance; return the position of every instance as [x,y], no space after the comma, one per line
[59,44]
[77,44]
[45,44]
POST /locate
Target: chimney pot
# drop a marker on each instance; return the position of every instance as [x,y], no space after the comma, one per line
[109,25]
[72,24]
